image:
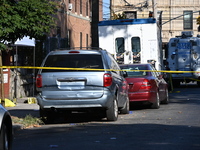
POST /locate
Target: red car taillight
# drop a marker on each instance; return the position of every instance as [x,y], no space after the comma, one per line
[107,79]
[39,81]
[145,85]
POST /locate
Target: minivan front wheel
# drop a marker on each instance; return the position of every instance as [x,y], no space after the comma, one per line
[112,112]
[4,140]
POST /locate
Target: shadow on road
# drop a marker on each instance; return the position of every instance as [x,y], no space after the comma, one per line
[110,137]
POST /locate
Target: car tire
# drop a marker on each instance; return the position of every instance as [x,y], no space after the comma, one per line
[166,100]
[126,109]
[4,138]
[156,104]
[47,116]
[42,113]
[112,112]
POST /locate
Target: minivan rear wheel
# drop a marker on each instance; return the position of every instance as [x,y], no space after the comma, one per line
[47,116]
[126,108]
[112,112]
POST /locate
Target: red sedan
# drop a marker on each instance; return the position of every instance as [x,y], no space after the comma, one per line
[146,85]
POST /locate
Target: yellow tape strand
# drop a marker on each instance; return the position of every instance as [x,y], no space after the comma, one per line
[61,68]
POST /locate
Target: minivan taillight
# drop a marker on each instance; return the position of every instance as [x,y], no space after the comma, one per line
[74,52]
[39,81]
[107,80]
[145,85]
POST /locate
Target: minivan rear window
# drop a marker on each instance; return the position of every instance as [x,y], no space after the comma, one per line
[73,61]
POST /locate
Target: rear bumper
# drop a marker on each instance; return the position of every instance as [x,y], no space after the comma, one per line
[103,102]
[184,76]
[142,96]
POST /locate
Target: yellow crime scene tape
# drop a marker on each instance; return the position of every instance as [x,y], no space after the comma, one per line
[62,68]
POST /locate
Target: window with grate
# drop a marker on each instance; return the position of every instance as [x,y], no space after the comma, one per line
[188,20]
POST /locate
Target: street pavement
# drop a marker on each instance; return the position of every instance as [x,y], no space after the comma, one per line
[175,126]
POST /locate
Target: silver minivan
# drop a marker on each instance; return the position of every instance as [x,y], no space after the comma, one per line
[81,80]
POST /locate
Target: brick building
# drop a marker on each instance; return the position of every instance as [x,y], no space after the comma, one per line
[182,13]
[74,20]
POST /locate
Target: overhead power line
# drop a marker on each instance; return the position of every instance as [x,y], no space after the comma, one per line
[138,6]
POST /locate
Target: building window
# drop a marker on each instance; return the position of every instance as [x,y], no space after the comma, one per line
[81,34]
[87,40]
[131,14]
[188,20]
[75,5]
[87,9]
[80,6]
[58,31]
[69,37]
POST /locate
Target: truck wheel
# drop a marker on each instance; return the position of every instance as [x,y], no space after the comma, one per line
[156,104]
[125,110]
[112,112]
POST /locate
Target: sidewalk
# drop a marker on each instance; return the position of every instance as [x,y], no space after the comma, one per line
[22,109]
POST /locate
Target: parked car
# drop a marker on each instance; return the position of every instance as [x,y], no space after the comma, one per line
[91,80]
[6,132]
[146,85]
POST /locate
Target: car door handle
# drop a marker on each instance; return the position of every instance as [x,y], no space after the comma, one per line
[130,83]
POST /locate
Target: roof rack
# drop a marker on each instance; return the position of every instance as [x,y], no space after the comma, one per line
[81,48]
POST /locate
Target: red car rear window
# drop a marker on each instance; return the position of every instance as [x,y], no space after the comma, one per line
[135,70]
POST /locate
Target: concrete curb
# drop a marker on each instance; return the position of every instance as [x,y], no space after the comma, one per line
[17,127]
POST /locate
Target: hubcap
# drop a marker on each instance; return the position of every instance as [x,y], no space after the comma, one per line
[115,108]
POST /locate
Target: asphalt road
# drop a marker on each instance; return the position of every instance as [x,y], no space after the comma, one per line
[175,126]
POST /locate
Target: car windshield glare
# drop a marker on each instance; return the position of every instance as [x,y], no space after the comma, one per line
[134,71]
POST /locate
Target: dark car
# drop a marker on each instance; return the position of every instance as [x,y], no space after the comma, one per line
[90,80]
[146,85]
[6,129]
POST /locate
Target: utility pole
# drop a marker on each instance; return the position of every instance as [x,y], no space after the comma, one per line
[110,7]
[94,24]
[1,82]
[154,7]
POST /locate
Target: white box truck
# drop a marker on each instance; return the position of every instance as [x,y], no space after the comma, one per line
[132,40]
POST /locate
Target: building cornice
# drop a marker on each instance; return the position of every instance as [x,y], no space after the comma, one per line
[87,18]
